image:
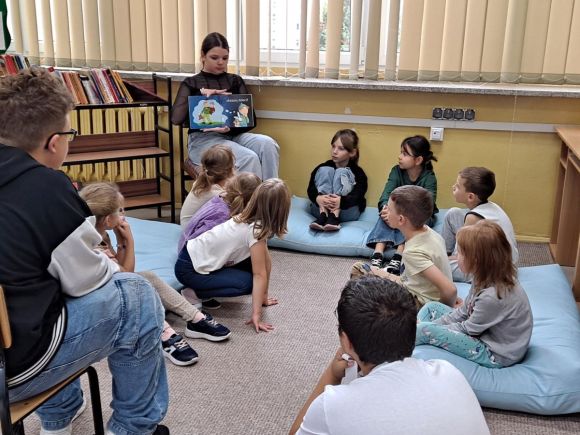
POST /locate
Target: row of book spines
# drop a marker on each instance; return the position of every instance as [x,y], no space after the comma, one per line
[12,63]
[112,171]
[96,86]
[99,121]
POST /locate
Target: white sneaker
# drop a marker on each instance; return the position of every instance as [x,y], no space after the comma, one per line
[191,297]
[67,430]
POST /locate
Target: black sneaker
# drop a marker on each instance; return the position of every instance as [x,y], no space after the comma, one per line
[332,224]
[318,224]
[394,265]
[377,259]
[178,351]
[207,328]
[211,304]
[161,430]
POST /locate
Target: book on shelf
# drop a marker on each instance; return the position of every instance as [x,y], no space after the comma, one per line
[221,111]
[101,86]
[12,63]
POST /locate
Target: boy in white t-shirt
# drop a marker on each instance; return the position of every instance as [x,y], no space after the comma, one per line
[473,187]
[377,325]
[425,270]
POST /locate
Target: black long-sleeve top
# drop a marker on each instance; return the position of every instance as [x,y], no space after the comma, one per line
[232,83]
[355,197]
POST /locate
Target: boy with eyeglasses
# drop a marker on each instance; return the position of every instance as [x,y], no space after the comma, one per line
[68,305]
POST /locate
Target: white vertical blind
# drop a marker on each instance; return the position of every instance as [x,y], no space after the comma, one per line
[392,40]
[107,33]
[91,33]
[534,49]
[557,41]
[530,41]
[333,39]
[77,37]
[373,41]
[453,37]
[170,35]
[431,39]
[514,41]
[186,36]
[122,25]
[30,33]
[313,43]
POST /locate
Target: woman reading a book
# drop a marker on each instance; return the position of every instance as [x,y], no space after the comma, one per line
[255,153]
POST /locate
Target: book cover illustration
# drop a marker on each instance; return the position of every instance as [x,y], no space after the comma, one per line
[221,111]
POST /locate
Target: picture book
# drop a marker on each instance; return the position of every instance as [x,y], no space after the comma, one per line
[221,111]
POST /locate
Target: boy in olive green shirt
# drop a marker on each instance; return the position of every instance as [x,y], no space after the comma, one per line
[426,273]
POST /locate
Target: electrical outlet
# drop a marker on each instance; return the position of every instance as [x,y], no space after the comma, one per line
[436,134]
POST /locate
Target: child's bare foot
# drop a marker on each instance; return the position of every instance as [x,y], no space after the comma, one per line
[269,301]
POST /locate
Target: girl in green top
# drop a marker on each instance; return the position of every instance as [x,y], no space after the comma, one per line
[415,167]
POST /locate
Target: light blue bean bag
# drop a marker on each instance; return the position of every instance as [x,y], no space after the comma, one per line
[155,248]
[350,241]
[547,381]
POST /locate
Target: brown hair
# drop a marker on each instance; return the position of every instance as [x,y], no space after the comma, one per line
[413,202]
[478,180]
[103,199]
[268,209]
[488,256]
[349,140]
[239,190]
[217,165]
[34,105]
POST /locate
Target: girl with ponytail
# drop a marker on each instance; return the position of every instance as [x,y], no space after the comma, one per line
[219,209]
[217,166]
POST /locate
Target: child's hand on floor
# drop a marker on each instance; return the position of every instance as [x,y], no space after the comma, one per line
[269,301]
[259,325]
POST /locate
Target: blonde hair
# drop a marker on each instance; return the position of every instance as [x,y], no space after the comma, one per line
[217,165]
[488,256]
[103,199]
[239,190]
[268,209]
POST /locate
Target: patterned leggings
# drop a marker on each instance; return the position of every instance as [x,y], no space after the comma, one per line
[463,345]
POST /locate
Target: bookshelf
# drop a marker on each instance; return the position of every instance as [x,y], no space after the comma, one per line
[121,142]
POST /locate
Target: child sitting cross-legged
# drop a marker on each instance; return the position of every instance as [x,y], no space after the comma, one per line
[494,325]
[426,273]
[106,204]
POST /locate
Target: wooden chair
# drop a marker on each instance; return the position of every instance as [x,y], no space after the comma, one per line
[12,415]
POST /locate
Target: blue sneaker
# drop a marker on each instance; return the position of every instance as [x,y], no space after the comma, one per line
[178,351]
[207,328]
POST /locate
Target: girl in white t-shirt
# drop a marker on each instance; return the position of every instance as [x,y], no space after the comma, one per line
[217,167]
[232,258]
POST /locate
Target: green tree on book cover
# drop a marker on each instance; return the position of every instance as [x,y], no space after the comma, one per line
[5,38]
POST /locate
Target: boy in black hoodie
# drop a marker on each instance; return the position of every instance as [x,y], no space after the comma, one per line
[68,305]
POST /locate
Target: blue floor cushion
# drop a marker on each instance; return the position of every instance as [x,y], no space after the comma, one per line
[350,241]
[547,381]
[155,248]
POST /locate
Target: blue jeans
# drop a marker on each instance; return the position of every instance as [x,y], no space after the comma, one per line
[346,215]
[121,321]
[463,345]
[383,233]
[237,280]
[256,153]
[339,181]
